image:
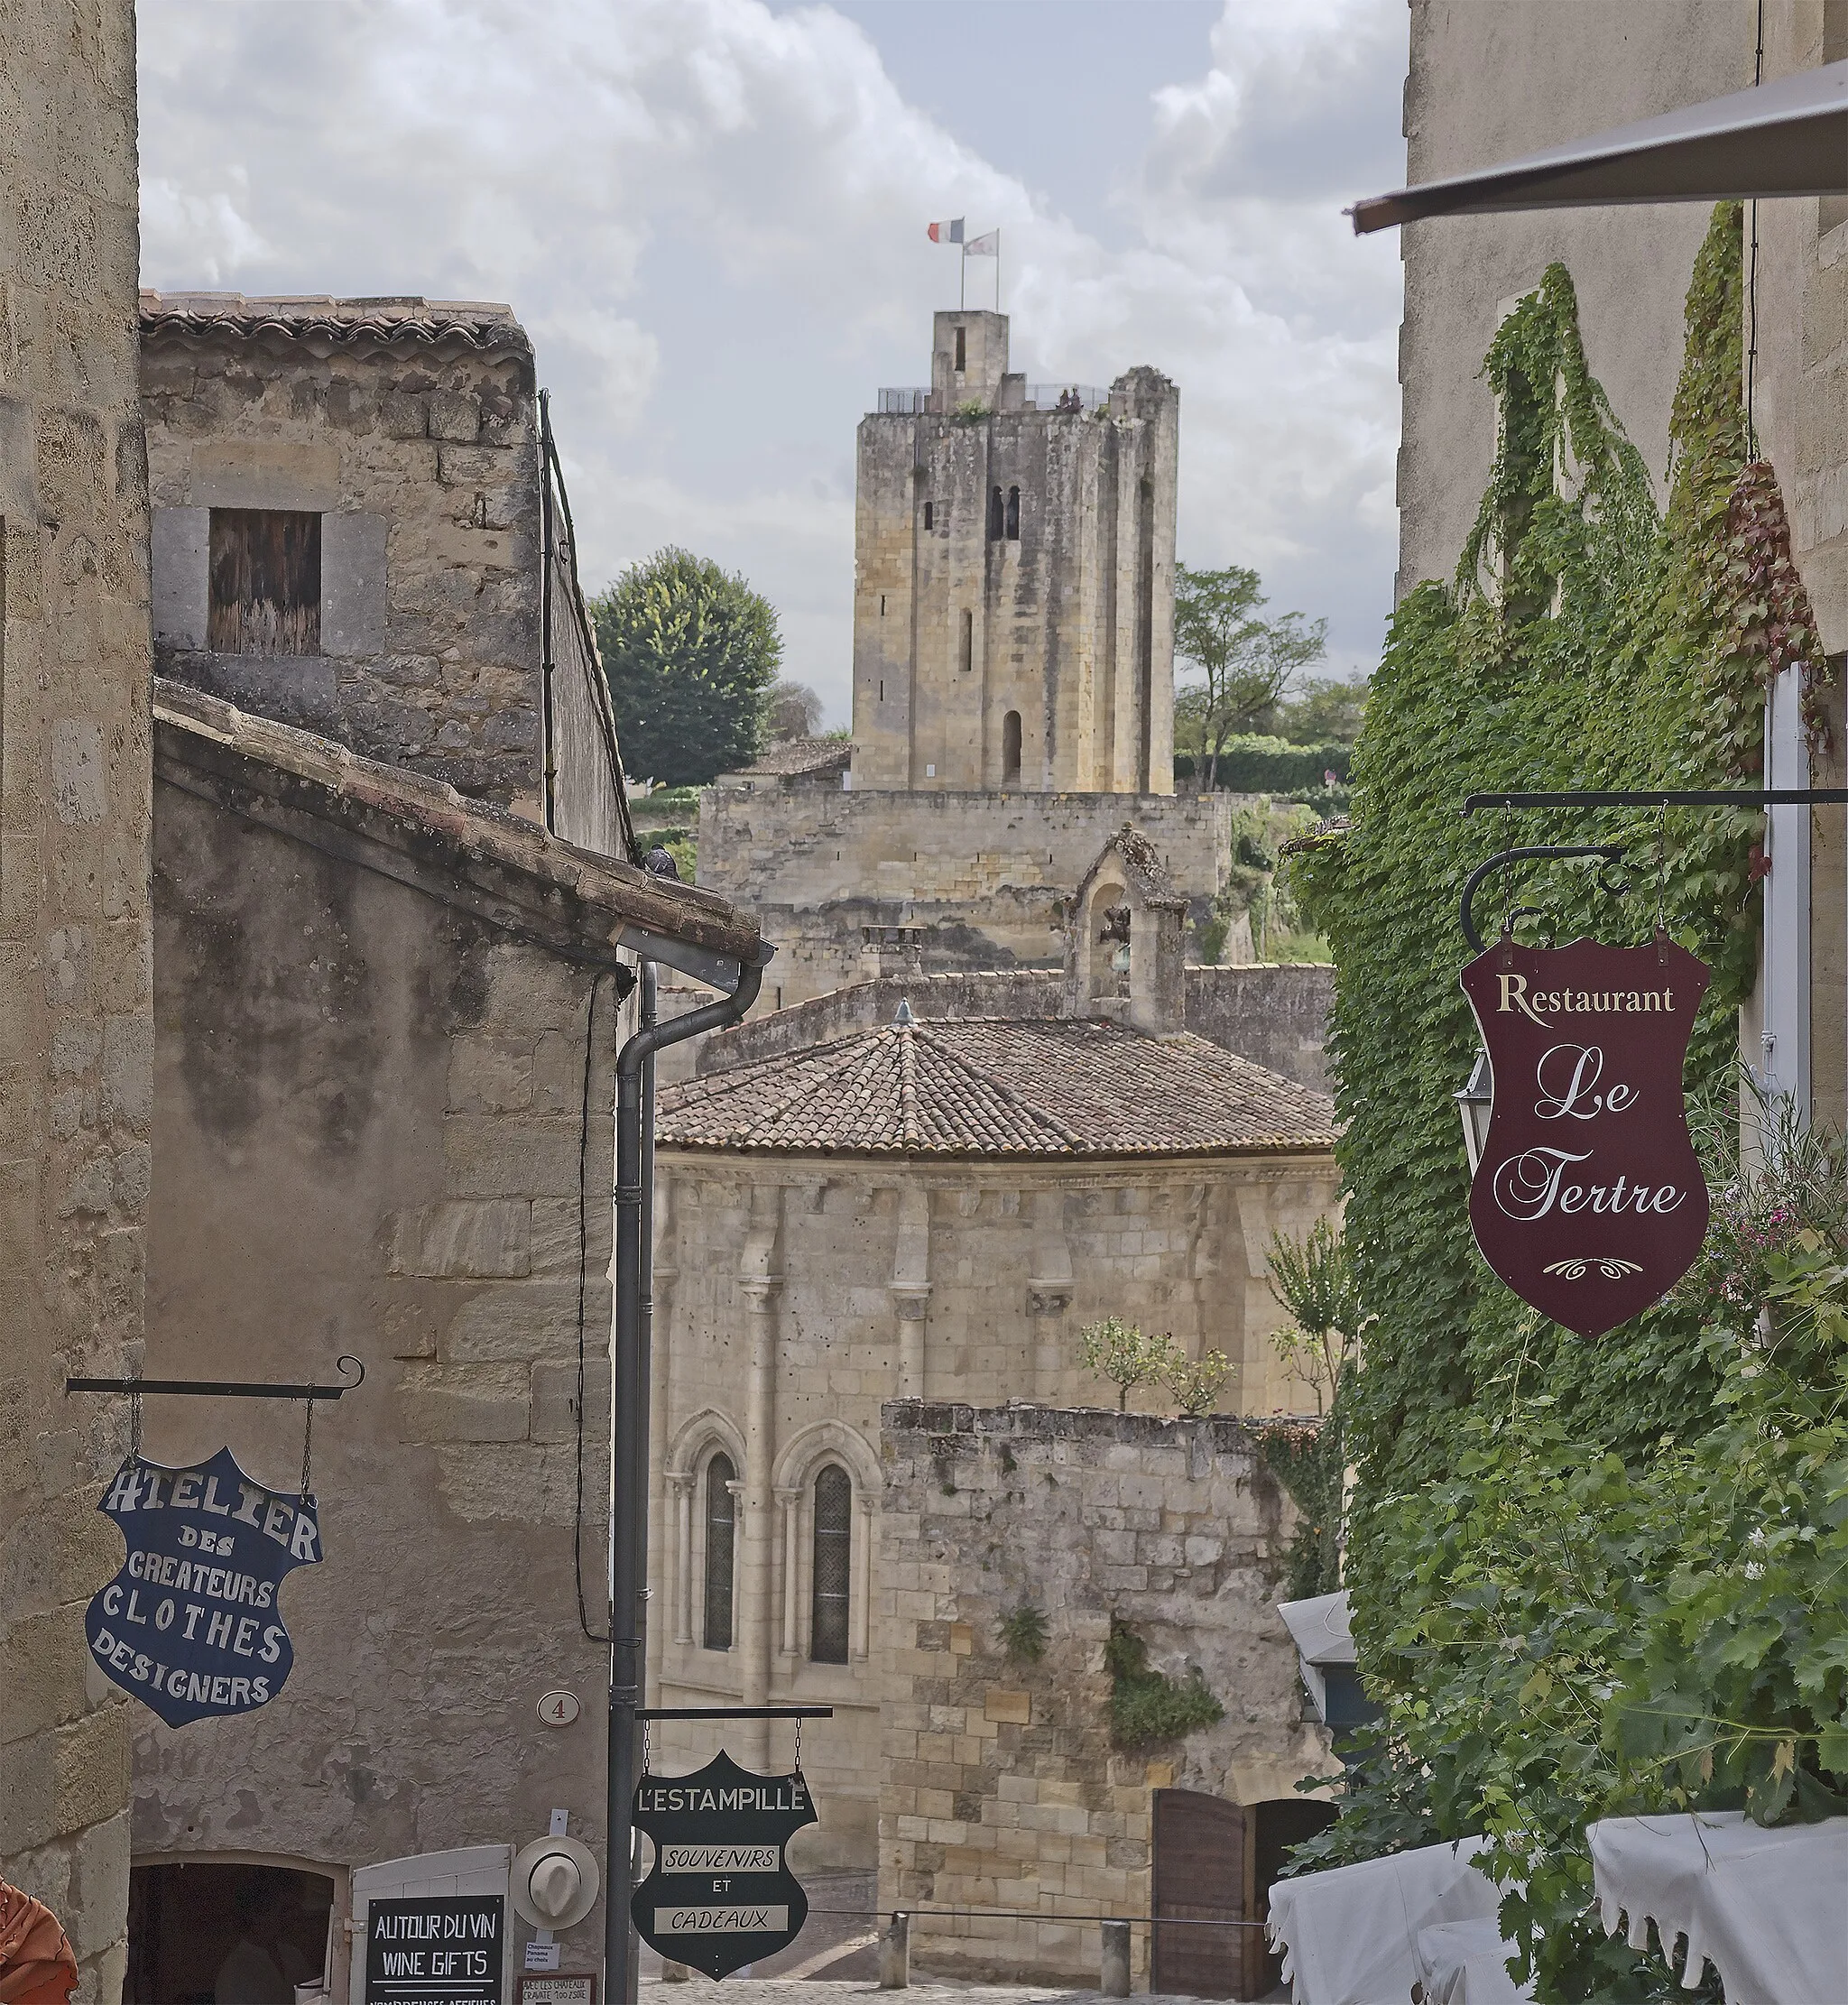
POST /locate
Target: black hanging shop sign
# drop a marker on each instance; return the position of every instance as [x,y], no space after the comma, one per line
[721,1894]
[191,1624]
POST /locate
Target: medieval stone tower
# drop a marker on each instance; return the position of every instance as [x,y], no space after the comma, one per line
[1014,686]
[1013,612]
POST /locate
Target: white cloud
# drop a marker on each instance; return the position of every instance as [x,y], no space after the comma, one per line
[710,217]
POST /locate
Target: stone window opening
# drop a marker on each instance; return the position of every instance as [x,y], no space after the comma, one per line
[1111,949]
[1014,515]
[929,515]
[962,350]
[264,570]
[997,515]
[881,605]
[1011,748]
[968,640]
[721,1549]
[881,691]
[832,1575]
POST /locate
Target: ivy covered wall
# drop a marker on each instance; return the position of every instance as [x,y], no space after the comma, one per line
[1522,1504]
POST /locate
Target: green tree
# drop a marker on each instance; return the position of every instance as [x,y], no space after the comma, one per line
[1246,661]
[690,651]
[1119,1351]
[1325,710]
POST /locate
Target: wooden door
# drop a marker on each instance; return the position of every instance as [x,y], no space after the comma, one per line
[1204,1872]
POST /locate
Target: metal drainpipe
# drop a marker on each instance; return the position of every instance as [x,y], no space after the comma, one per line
[628,1464]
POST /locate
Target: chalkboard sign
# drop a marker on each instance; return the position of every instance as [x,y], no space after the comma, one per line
[721,1894]
[191,1624]
[436,1949]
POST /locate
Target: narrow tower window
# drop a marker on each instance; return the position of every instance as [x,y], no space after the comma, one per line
[721,1530]
[929,515]
[834,1537]
[1011,746]
[968,642]
[962,352]
[997,516]
[881,605]
[1014,515]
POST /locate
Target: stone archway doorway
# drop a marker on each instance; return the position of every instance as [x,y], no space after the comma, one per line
[1215,1862]
[209,1933]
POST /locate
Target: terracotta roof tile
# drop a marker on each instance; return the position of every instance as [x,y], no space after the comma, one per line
[403,319]
[989,1086]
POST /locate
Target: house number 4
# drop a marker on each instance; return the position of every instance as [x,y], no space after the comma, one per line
[559,1708]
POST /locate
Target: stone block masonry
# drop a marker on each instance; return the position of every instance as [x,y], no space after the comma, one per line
[408,429]
[75,1045]
[854,885]
[1001,1789]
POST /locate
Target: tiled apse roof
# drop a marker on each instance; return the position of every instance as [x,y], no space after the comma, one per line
[403,319]
[987,1086]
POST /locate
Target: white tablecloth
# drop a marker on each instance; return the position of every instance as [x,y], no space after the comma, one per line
[1768,1909]
[1365,1934]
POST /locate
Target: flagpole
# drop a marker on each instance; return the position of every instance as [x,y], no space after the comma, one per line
[997,270]
[963,279]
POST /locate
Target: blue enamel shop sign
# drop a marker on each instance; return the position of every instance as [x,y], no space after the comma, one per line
[190,1625]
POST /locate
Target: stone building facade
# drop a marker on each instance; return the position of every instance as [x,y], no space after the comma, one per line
[926,1209]
[1001,1788]
[1014,686]
[386,1027]
[1013,580]
[356,530]
[76,1061]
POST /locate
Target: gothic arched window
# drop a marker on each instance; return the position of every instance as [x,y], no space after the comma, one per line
[834,1537]
[721,1541]
[1011,746]
[1014,515]
[997,516]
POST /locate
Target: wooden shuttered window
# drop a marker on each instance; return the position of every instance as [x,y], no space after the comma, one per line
[265,573]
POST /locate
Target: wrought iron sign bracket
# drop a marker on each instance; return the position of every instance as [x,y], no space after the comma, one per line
[734,1712]
[1750,799]
[216,1389]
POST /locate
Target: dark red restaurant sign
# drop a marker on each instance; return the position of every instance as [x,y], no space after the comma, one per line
[1588,1200]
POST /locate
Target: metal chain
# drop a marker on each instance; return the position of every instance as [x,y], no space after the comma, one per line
[1661,867]
[798,1747]
[308,1447]
[134,1421]
[647,1746]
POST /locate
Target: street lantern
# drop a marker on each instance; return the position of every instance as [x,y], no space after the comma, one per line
[1474,1104]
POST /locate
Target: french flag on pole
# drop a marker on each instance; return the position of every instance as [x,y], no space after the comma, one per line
[947,233]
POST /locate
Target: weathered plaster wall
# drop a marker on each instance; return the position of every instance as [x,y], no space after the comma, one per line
[424,462]
[794,1296]
[1490,82]
[853,886]
[74,961]
[1001,1789]
[367,1138]
[1068,623]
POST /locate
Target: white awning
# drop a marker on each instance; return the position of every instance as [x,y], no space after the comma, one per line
[1319,1628]
[1789,137]
[1768,1909]
[1366,1934]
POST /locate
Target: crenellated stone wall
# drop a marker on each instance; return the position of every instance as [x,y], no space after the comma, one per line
[1001,1787]
[75,1007]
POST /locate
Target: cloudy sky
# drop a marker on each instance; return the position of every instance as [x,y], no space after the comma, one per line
[710,215]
